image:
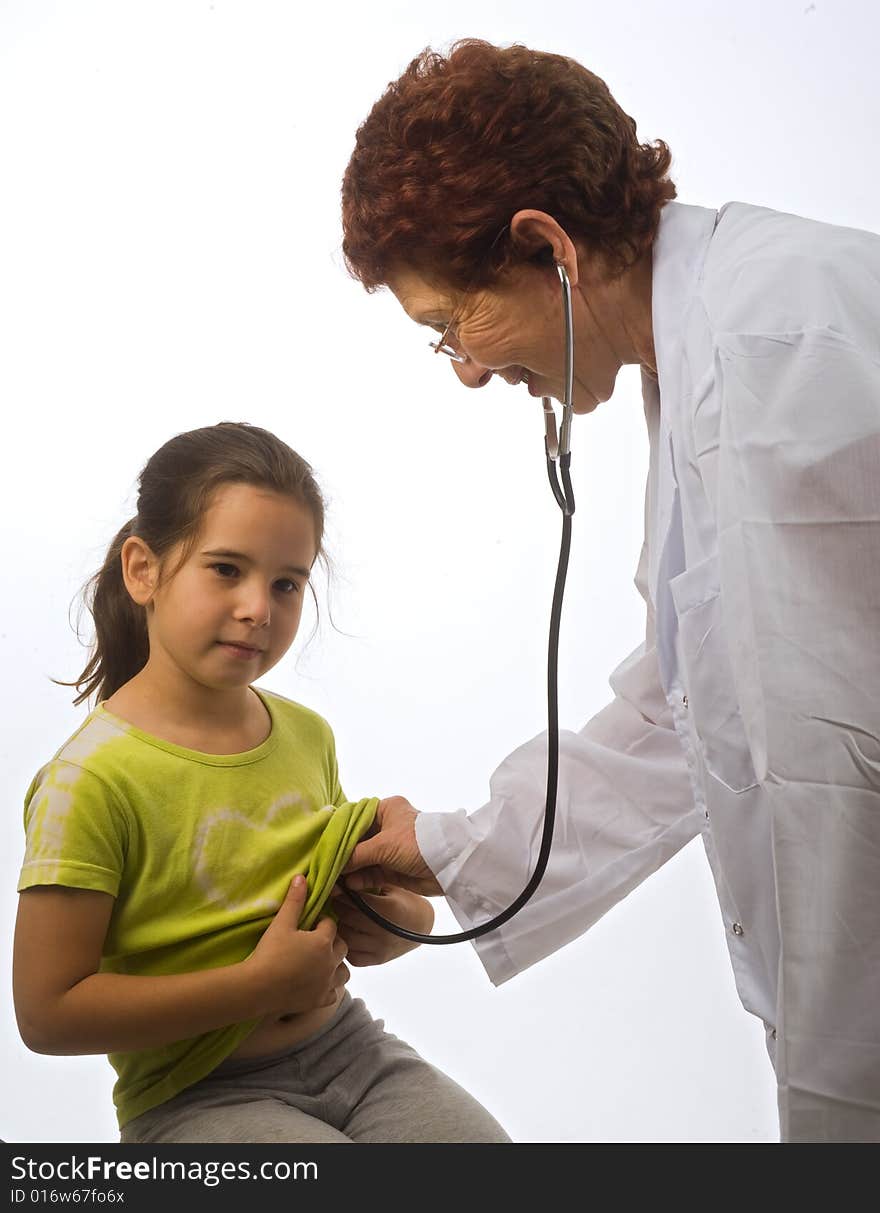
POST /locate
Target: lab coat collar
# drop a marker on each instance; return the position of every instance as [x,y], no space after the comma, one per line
[680,249]
[679,255]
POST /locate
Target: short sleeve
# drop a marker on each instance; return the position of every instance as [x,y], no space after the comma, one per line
[76,833]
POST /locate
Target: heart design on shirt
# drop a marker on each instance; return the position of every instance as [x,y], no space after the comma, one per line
[245,864]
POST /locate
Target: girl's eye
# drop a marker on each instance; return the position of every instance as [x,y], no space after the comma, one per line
[225,570]
[286,586]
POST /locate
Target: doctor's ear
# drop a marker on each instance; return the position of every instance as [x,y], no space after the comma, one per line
[535,231]
[140,569]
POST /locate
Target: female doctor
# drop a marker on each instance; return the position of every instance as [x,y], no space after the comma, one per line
[751,713]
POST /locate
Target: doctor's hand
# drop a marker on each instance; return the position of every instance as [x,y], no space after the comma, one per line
[370,944]
[391,855]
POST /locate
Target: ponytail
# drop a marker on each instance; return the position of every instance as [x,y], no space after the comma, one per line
[121,647]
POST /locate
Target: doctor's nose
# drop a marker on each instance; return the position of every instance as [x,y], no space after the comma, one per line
[471,373]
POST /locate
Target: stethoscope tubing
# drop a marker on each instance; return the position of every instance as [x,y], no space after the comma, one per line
[558,457]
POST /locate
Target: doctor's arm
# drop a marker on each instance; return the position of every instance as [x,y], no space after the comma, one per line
[625,806]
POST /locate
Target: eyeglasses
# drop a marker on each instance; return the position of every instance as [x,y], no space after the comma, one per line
[443,346]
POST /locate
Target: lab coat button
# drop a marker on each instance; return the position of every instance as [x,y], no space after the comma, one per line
[773,1033]
[684,700]
[737,928]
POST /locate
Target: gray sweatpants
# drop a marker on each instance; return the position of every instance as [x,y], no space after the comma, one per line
[350,1082]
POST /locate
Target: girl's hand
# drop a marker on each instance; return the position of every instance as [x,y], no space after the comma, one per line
[370,944]
[298,970]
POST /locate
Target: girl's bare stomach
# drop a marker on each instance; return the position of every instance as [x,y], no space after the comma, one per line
[278,1032]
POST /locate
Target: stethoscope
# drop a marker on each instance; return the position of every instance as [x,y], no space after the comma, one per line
[557,451]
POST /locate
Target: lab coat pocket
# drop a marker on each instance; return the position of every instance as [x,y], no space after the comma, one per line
[712,699]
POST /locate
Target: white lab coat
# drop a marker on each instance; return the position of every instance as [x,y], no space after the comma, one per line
[751,714]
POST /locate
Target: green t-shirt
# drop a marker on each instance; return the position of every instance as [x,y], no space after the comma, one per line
[198,851]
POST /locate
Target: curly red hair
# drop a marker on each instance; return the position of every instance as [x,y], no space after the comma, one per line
[460,143]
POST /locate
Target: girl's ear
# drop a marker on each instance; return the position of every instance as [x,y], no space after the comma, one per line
[140,569]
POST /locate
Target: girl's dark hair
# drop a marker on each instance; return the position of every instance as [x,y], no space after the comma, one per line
[175,489]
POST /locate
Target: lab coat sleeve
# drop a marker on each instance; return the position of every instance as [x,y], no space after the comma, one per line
[624,807]
[799,558]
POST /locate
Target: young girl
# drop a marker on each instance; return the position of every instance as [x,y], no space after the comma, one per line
[158,921]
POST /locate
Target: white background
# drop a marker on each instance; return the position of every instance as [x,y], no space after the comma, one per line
[169,257]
